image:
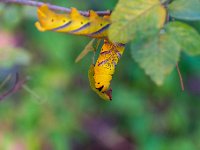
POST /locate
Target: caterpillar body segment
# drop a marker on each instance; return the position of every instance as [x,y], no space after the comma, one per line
[49,20]
[74,23]
[106,63]
[107,95]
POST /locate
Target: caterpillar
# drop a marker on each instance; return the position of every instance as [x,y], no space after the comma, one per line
[100,74]
[74,23]
[106,63]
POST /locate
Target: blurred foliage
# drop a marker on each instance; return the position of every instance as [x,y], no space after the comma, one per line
[11,56]
[187,37]
[184,9]
[56,109]
[151,26]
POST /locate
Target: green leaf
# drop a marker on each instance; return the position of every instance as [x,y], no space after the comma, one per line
[13,56]
[187,37]
[185,9]
[131,16]
[156,55]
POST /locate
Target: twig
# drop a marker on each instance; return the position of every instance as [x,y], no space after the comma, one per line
[17,86]
[180,77]
[53,7]
[33,93]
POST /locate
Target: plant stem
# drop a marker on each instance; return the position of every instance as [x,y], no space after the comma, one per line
[180,77]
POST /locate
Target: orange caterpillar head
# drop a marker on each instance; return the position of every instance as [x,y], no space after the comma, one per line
[48,20]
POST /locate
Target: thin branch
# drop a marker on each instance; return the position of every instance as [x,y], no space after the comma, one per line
[53,7]
[34,94]
[17,86]
[180,77]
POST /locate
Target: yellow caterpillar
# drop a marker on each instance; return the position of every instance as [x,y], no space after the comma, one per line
[106,63]
[74,23]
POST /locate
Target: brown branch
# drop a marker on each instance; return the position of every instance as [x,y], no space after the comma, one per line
[17,86]
[180,77]
[53,7]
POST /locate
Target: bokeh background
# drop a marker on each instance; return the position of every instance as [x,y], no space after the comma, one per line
[56,109]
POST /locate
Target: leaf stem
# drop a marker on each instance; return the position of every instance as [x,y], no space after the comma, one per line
[180,77]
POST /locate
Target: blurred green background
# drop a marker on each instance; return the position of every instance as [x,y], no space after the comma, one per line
[57,110]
